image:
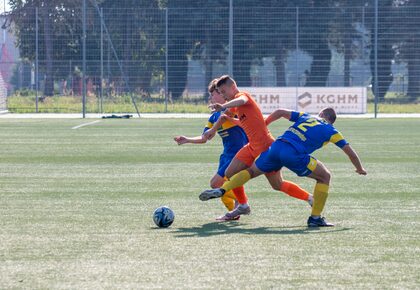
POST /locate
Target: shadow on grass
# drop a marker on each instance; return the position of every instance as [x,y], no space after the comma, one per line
[220,228]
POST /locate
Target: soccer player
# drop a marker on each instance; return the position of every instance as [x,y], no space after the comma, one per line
[252,121]
[233,138]
[292,150]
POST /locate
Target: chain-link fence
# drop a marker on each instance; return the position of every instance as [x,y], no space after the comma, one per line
[163,58]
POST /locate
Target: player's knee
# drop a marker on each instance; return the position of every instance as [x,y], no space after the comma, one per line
[326,178]
[251,172]
[228,173]
[275,186]
[216,183]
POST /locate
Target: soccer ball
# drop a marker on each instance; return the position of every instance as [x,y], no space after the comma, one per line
[163,216]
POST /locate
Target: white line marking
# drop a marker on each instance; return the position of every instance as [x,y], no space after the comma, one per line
[85,124]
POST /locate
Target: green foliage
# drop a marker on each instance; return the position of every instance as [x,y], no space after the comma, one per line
[199,30]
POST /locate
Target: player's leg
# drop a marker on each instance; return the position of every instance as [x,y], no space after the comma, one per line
[240,162]
[238,180]
[290,188]
[242,177]
[243,159]
[228,199]
[266,162]
[322,176]
[234,167]
[281,154]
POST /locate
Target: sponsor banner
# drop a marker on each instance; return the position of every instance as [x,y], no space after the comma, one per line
[345,100]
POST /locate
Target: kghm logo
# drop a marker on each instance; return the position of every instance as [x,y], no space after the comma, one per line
[305,99]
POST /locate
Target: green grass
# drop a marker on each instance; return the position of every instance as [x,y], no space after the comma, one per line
[64,104]
[386,108]
[76,205]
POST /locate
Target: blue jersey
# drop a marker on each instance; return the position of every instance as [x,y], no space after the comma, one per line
[233,136]
[310,133]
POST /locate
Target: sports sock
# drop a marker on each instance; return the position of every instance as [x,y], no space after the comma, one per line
[294,190]
[228,200]
[237,180]
[320,197]
[240,195]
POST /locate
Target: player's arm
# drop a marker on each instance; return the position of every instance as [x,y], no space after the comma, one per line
[354,158]
[240,101]
[277,114]
[209,134]
[194,140]
[231,118]
[227,115]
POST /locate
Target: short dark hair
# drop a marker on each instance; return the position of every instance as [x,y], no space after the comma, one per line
[329,114]
[225,79]
[212,86]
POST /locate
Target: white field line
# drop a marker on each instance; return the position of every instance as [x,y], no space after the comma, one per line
[85,124]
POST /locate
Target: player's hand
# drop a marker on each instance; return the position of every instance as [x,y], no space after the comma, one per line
[209,134]
[180,140]
[216,107]
[229,118]
[361,171]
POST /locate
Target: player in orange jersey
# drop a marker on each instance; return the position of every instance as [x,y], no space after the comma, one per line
[233,137]
[250,118]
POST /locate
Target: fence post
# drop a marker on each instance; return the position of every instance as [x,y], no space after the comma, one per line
[297,56]
[230,55]
[363,44]
[84,59]
[166,61]
[36,60]
[71,77]
[376,59]
[101,93]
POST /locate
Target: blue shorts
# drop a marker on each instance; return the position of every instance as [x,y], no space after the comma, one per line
[224,162]
[284,154]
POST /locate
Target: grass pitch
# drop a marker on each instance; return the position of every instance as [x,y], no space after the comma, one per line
[76,205]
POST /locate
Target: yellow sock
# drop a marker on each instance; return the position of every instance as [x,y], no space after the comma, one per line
[228,200]
[320,197]
[237,180]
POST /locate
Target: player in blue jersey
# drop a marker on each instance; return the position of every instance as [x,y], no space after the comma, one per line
[292,150]
[233,138]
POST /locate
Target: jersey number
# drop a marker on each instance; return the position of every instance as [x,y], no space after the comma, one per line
[311,122]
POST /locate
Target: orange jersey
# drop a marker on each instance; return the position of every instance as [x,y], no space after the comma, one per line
[253,123]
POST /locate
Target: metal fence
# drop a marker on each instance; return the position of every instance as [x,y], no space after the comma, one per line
[163,58]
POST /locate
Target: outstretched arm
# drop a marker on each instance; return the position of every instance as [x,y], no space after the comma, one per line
[195,140]
[277,114]
[354,158]
[242,100]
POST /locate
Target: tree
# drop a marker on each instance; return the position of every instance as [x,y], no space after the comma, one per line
[407,44]
[56,19]
[277,34]
[314,24]
[385,45]
[136,29]
[197,30]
